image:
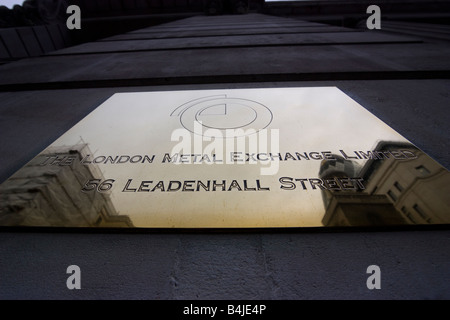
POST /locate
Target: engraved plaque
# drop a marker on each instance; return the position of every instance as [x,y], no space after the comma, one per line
[244,158]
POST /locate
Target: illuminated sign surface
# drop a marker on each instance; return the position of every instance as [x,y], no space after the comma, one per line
[242,158]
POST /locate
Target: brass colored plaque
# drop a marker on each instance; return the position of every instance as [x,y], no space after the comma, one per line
[247,158]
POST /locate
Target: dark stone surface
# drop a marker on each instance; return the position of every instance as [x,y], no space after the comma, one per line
[225,266]
[4,54]
[30,41]
[324,38]
[55,35]
[13,43]
[44,38]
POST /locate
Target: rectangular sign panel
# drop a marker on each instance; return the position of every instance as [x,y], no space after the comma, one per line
[247,158]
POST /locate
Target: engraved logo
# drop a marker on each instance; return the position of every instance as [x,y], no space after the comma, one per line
[225,114]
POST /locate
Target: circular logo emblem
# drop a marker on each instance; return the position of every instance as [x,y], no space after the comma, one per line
[233,117]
